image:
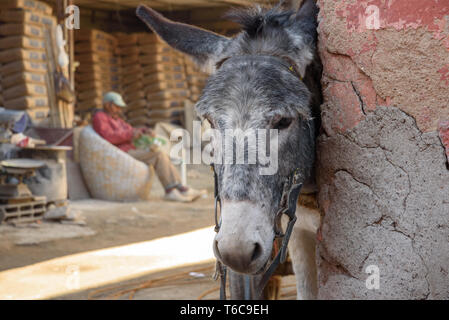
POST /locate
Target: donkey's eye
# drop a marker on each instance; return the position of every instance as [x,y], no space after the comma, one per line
[282,123]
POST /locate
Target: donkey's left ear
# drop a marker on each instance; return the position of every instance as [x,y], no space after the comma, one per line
[307,16]
[205,47]
[303,33]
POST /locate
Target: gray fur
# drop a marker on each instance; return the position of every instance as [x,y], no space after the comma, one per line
[247,93]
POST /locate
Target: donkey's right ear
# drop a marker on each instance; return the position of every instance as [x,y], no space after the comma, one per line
[205,47]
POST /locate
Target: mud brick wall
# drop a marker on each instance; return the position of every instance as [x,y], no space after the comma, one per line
[383,153]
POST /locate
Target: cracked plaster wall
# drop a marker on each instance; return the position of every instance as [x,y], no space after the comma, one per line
[382,165]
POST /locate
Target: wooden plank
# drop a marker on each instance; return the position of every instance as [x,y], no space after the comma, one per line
[68,108]
[121,5]
[52,101]
[156,4]
[162,4]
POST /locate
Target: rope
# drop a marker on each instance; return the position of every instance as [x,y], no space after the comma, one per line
[291,293]
[207,292]
[130,289]
[179,279]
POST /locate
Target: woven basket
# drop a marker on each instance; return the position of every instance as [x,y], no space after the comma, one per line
[110,173]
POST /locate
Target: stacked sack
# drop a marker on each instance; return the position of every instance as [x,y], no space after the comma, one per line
[196,79]
[99,68]
[164,84]
[23,61]
[131,74]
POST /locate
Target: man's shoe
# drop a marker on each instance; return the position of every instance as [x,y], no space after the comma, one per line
[193,193]
[177,196]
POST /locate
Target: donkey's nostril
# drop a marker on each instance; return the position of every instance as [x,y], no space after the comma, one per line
[257,252]
[238,255]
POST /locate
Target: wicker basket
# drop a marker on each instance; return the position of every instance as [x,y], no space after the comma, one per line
[110,173]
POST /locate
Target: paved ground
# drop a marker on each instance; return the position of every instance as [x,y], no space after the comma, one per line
[156,244]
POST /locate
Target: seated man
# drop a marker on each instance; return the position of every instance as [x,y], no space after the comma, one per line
[108,124]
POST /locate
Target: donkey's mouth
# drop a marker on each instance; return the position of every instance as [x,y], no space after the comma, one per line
[242,242]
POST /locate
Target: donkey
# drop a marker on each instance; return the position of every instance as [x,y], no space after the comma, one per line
[266,77]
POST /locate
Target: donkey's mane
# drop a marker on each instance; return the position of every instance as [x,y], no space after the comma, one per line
[265,22]
[255,19]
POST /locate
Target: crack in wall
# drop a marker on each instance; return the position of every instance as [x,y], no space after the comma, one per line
[405,172]
[429,289]
[357,93]
[404,204]
[347,56]
[337,267]
[364,260]
[415,251]
[396,166]
[352,176]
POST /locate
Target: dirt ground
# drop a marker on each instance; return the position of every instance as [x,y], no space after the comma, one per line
[112,225]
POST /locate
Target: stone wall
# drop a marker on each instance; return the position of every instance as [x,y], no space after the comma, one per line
[382,163]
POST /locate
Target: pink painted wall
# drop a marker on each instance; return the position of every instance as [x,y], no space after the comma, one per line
[383,153]
[399,49]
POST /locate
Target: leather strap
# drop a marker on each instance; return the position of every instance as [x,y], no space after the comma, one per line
[290,200]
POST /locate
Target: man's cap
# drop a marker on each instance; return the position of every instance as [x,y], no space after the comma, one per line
[115,98]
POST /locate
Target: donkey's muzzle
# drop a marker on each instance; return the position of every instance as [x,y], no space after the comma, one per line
[245,238]
[238,258]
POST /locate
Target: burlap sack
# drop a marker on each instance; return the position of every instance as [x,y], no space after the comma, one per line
[16,54]
[32,5]
[22,78]
[24,90]
[23,103]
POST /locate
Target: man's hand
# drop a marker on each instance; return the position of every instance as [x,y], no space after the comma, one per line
[149,132]
[137,133]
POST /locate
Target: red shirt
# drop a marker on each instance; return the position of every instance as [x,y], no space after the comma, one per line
[114,130]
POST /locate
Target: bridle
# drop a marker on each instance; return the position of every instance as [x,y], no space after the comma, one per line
[287,205]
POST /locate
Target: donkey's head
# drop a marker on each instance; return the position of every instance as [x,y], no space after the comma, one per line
[257,83]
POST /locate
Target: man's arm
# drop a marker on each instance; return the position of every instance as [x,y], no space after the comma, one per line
[120,135]
[143,130]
